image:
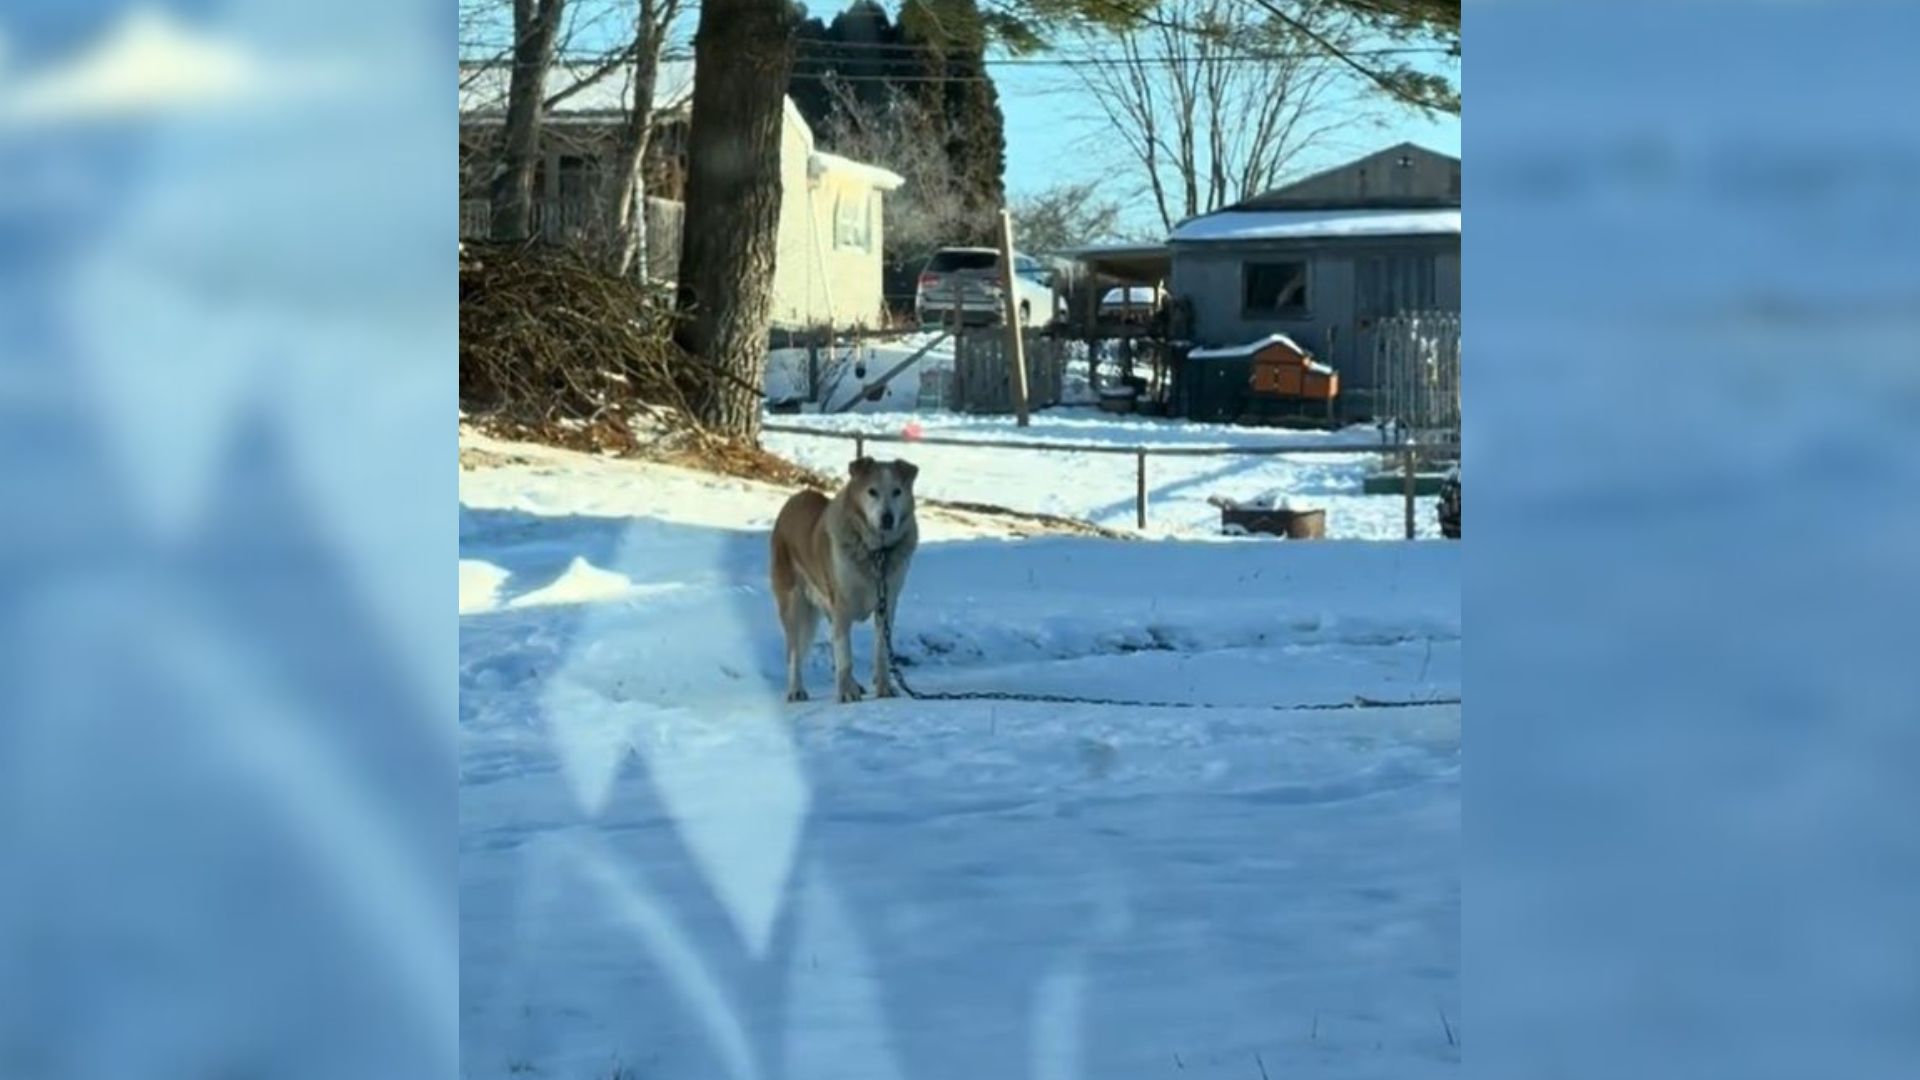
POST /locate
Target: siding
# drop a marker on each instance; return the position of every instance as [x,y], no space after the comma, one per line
[1378,178]
[815,282]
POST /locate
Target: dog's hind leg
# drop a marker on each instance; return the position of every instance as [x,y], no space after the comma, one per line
[800,619]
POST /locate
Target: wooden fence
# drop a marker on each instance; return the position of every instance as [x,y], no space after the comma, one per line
[1409,456]
[983,374]
[1416,374]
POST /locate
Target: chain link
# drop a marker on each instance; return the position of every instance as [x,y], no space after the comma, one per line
[884,623]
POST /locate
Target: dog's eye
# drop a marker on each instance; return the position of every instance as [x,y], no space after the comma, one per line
[873,492]
[896,493]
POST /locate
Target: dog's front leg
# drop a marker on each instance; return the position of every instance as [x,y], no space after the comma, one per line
[883,647]
[843,657]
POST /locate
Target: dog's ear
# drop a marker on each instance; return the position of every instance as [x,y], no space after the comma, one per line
[907,471]
[861,467]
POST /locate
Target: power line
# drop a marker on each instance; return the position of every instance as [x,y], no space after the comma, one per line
[577,55]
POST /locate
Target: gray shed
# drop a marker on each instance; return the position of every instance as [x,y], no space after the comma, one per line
[1323,259]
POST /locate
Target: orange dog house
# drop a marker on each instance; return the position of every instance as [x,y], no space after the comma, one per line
[1281,368]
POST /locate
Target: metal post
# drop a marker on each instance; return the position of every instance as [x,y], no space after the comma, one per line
[1015,343]
[1406,473]
[1140,487]
[860,448]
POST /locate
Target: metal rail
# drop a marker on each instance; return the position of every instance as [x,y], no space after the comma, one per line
[1408,453]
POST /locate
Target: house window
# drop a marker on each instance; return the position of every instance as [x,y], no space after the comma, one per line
[851,223]
[1275,288]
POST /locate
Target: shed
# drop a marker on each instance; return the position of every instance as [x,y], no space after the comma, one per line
[1324,260]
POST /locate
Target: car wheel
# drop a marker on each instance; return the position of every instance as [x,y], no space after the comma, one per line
[1026,313]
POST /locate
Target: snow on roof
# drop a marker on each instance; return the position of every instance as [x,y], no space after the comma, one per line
[1248,349]
[1315,224]
[483,90]
[820,162]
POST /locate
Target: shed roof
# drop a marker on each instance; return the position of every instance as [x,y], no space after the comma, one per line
[1145,263]
[598,91]
[1242,225]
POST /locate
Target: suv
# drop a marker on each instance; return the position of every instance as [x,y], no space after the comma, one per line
[967,280]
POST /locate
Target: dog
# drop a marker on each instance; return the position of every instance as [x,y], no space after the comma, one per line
[845,558]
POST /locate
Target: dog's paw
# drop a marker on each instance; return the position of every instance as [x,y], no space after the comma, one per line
[851,692]
[796,695]
[885,690]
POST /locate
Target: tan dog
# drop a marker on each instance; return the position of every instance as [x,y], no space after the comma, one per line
[837,557]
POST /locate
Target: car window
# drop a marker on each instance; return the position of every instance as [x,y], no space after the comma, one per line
[948,261]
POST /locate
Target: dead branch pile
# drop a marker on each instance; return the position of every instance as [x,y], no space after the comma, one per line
[554,350]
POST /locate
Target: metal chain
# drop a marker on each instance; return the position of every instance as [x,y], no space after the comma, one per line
[884,624]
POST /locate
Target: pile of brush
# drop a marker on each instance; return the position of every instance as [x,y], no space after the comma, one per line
[555,350]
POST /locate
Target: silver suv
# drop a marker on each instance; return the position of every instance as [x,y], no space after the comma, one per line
[967,279]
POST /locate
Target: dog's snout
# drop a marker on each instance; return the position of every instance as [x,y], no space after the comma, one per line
[886,520]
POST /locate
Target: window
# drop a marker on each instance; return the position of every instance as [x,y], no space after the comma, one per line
[949,260]
[579,175]
[1275,288]
[851,224]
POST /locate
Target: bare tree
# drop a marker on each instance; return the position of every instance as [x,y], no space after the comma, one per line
[1065,215]
[625,196]
[1209,108]
[902,133]
[536,23]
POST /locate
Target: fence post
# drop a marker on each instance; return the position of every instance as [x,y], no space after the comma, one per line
[1406,473]
[1015,345]
[813,368]
[860,446]
[1140,487]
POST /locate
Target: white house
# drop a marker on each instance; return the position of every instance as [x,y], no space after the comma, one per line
[827,267]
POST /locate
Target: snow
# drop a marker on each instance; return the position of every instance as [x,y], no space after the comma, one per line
[1099,487]
[667,871]
[1266,500]
[1313,224]
[820,162]
[842,383]
[1246,349]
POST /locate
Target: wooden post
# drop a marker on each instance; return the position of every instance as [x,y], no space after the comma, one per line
[1140,487]
[1016,345]
[1406,474]
[813,368]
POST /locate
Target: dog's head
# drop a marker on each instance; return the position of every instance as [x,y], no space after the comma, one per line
[883,490]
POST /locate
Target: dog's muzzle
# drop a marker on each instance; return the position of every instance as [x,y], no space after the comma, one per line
[886,520]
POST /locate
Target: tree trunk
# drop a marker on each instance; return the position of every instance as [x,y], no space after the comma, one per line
[535,24]
[626,189]
[742,53]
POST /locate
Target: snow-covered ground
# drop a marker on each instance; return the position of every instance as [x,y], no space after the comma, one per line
[666,871]
[1099,487]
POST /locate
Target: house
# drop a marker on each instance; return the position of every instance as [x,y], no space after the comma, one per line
[1322,259]
[827,269]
